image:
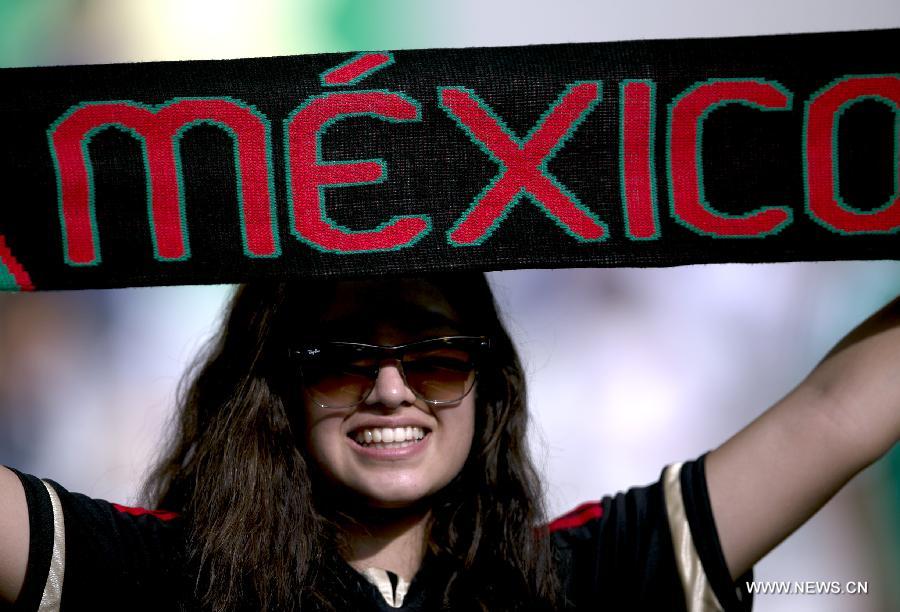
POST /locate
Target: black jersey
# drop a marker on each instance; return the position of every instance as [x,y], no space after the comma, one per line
[650,548]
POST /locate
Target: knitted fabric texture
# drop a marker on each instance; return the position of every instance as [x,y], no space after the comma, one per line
[644,153]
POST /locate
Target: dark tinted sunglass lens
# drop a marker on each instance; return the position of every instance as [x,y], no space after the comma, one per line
[440,373]
[339,379]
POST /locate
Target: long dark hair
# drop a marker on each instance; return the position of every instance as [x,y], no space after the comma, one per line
[257,537]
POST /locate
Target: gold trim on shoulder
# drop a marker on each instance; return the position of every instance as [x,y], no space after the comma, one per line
[52,595]
[698,593]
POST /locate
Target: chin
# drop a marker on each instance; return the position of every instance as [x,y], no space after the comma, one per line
[392,498]
[392,503]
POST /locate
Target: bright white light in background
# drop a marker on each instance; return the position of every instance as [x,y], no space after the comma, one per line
[590,20]
[208,29]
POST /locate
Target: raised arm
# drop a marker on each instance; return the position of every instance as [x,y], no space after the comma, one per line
[774,474]
[13,536]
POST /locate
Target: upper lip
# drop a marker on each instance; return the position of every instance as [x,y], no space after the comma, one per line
[388,422]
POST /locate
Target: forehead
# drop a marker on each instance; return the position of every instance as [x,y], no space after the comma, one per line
[389,311]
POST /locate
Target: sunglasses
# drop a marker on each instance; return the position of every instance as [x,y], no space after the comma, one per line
[439,371]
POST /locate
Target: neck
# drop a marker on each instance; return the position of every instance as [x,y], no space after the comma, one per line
[388,538]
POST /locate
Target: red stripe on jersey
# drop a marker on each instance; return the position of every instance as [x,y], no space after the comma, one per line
[163,515]
[576,518]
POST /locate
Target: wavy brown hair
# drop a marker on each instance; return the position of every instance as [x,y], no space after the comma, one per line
[257,534]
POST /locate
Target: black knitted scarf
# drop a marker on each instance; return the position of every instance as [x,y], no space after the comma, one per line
[644,153]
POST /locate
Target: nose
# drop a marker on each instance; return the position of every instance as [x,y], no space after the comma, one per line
[390,389]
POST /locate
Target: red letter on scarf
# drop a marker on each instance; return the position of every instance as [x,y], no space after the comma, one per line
[160,131]
[638,176]
[356,68]
[686,116]
[823,198]
[308,175]
[523,163]
[13,277]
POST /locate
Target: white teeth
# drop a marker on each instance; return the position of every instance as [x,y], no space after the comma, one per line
[393,445]
[389,437]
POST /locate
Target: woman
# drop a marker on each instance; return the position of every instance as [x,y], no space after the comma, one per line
[286,482]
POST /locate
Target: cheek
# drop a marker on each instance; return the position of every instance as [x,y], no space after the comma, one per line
[469,426]
[321,436]
[459,424]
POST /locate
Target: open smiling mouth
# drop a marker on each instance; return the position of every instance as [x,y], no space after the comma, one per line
[389,437]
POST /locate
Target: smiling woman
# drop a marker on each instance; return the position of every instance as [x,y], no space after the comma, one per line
[360,445]
[359,407]
[259,424]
